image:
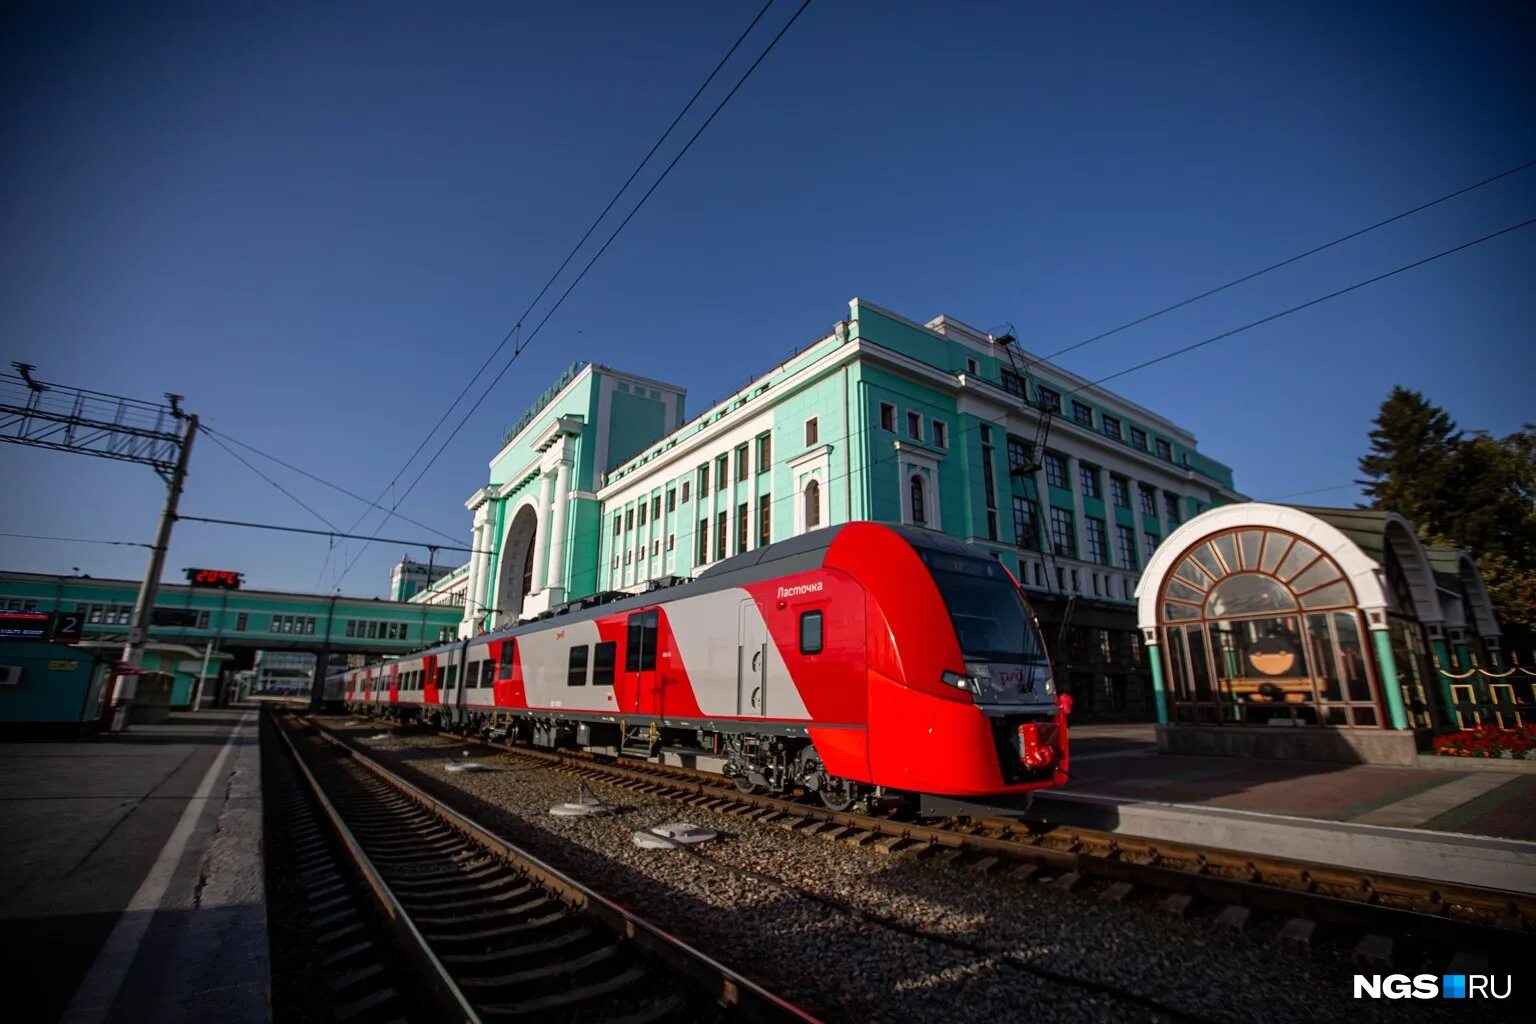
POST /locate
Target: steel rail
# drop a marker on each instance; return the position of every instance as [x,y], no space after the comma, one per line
[448,1000]
[729,988]
[1492,921]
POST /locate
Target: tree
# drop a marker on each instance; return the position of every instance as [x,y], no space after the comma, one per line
[1470,491]
[1409,468]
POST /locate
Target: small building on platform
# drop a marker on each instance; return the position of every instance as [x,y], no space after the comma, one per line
[1317,634]
[49,689]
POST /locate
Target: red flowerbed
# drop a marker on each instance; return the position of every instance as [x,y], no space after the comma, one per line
[1489,741]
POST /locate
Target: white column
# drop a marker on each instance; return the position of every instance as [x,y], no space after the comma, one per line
[487,541]
[562,503]
[474,606]
[541,543]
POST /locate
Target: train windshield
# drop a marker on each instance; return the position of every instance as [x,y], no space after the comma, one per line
[987,610]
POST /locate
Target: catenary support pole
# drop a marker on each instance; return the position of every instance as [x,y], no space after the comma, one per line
[143,608]
[322,662]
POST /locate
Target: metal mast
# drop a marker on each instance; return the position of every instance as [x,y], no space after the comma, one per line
[43,415]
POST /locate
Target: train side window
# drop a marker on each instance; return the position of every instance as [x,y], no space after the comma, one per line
[640,651]
[487,673]
[507,650]
[576,675]
[453,677]
[604,657]
[810,632]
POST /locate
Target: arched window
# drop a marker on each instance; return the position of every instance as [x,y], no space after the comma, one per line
[812,505]
[1262,627]
[919,509]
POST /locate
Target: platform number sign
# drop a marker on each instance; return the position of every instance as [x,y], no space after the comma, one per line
[67,627]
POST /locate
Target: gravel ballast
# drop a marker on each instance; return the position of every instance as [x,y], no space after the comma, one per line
[848,967]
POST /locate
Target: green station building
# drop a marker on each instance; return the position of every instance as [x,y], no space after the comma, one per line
[603,485]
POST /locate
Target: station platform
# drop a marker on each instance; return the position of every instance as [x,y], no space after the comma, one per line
[1465,820]
[131,879]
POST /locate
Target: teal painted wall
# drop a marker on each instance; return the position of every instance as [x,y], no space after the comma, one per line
[224,609]
[636,421]
[60,694]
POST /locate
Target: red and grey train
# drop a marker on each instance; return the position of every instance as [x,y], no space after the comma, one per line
[858,661]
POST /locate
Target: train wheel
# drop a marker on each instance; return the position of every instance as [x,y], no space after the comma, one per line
[745,785]
[837,794]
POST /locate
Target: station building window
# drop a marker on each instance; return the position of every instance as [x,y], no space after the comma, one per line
[1081,413]
[1055,470]
[1088,476]
[1063,533]
[764,453]
[1138,438]
[887,416]
[764,520]
[1261,628]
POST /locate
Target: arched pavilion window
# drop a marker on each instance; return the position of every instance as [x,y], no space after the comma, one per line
[1262,628]
[919,509]
[812,505]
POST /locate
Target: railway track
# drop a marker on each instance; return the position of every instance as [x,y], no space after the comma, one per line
[1387,920]
[481,929]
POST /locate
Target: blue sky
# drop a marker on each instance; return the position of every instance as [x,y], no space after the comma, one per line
[316,220]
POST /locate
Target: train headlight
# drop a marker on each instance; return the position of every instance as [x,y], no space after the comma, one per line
[956,680]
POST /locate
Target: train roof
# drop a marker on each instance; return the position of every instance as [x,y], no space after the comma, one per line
[796,554]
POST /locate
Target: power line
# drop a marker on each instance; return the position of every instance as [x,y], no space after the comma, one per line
[78,540]
[1287,262]
[856,436]
[321,480]
[518,349]
[1304,305]
[1302,494]
[295,498]
[430,545]
[575,249]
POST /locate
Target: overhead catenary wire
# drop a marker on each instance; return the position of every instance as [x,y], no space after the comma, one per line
[78,540]
[431,545]
[1303,305]
[525,342]
[774,503]
[321,480]
[294,497]
[856,436]
[517,326]
[1289,260]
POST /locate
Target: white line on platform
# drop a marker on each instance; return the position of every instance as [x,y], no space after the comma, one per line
[94,998]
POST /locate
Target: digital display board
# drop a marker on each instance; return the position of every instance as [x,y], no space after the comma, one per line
[25,625]
[226,579]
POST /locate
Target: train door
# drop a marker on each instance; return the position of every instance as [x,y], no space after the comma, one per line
[751,662]
[640,643]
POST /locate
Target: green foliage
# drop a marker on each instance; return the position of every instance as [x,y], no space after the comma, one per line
[1469,491]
